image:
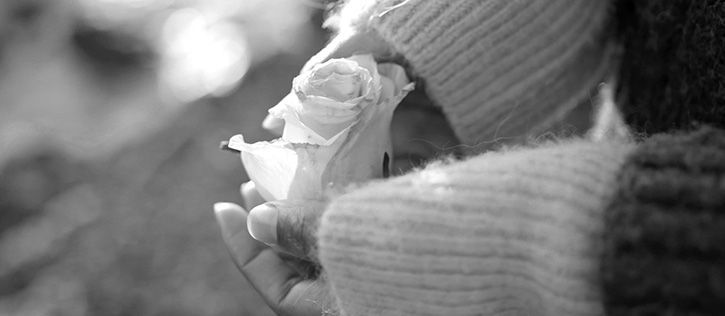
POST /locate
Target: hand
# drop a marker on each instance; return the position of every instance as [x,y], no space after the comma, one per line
[420,130]
[287,226]
[285,271]
[290,286]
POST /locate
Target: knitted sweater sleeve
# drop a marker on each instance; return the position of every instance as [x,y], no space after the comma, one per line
[569,229]
[664,250]
[499,233]
[497,68]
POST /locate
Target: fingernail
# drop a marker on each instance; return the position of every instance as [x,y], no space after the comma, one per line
[262,224]
[248,187]
[250,195]
[273,124]
[228,217]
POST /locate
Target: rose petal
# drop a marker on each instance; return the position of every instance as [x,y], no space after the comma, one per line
[303,83]
[366,61]
[339,87]
[396,73]
[387,90]
[281,170]
[322,132]
[270,165]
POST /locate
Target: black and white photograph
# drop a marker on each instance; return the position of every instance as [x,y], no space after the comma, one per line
[362,157]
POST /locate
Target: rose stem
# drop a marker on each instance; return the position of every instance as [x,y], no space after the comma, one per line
[224,145]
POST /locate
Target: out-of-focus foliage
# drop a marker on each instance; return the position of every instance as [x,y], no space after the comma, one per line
[110,116]
[205,47]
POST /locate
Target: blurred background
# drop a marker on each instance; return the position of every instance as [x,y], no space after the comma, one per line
[111,113]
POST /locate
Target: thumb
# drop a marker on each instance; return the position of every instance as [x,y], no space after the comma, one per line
[288,225]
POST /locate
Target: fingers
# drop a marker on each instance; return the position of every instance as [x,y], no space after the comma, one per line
[347,44]
[289,225]
[273,124]
[250,195]
[232,220]
[284,290]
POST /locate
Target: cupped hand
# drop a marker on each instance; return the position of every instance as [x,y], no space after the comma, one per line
[281,268]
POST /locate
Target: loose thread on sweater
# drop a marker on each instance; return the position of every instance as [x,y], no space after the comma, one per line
[388,9]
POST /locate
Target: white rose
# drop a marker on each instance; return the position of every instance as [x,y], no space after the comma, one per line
[326,100]
[337,129]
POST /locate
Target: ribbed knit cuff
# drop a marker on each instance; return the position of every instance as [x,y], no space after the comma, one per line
[499,233]
[665,247]
[498,68]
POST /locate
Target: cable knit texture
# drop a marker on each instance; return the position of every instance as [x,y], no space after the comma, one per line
[498,68]
[665,249]
[514,232]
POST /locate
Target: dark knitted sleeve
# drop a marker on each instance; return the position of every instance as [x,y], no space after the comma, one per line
[665,240]
[673,68]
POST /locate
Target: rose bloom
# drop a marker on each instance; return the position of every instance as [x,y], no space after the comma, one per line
[337,130]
